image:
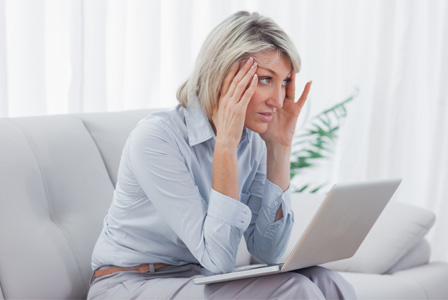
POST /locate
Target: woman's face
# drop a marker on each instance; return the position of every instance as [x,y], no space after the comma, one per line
[274,72]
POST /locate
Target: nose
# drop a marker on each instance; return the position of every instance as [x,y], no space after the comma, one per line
[277,97]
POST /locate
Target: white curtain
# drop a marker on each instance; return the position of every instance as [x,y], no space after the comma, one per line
[65,56]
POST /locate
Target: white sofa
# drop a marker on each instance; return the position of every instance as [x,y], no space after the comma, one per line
[57,175]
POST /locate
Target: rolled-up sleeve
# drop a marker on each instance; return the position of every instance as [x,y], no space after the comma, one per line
[229,211]
[227,220]
[266,238]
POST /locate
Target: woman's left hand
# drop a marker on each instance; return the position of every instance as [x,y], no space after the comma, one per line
[281,129]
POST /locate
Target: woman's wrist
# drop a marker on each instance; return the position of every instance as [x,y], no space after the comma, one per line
[278,164]
[278,149]
[225,170]
[226,143]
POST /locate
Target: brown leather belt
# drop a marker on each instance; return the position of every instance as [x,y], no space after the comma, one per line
[143,268]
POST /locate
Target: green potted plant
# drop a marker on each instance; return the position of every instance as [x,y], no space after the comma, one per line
[314,146]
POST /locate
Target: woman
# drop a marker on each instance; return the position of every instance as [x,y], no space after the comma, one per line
[193,180]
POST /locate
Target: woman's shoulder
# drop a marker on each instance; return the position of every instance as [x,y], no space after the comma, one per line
[166,126]
[163,121]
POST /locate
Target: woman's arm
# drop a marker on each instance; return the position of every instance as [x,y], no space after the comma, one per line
[267,235]
[279,137]
[228,121]
[272,218]
[278,168]
[210,228]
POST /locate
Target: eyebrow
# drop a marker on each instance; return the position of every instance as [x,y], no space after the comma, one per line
[267,69]
[272,71]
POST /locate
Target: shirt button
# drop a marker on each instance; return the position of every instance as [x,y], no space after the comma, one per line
[276,203]
[279,194]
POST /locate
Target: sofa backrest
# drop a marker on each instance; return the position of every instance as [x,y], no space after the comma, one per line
[57,175]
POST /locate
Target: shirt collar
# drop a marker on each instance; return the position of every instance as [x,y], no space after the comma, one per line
[199,128]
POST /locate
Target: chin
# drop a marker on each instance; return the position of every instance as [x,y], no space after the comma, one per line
[258,128]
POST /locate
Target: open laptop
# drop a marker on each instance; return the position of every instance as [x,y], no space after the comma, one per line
[335,232]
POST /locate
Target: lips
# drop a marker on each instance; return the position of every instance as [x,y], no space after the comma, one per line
[266,116]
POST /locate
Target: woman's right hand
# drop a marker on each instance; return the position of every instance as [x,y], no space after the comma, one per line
[230,112]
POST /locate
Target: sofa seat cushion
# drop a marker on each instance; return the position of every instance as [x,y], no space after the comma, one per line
[378,286]
[423,282]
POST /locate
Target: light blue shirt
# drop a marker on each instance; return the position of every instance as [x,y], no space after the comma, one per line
[164,209]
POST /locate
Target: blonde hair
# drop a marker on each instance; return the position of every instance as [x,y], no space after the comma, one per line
[237,37]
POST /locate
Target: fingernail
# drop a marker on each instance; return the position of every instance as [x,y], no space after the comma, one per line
[250,60]
[254,65]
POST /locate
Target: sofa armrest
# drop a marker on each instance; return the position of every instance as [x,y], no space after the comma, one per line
[399,229]
[418,256]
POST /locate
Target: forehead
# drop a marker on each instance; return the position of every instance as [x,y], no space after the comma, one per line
[275,61]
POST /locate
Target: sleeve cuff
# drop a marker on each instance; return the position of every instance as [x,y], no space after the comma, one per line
[274,197]
[229,210]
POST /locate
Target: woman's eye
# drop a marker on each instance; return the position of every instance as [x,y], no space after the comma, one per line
[265,80]
[285,82]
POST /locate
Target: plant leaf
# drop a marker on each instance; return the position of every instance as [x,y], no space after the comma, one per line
[316,140]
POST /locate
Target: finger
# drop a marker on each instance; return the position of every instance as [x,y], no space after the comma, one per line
[242,86]
[240,75]
[245,99]
[304,95]
[229,77]
[291,87]
[215,110]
